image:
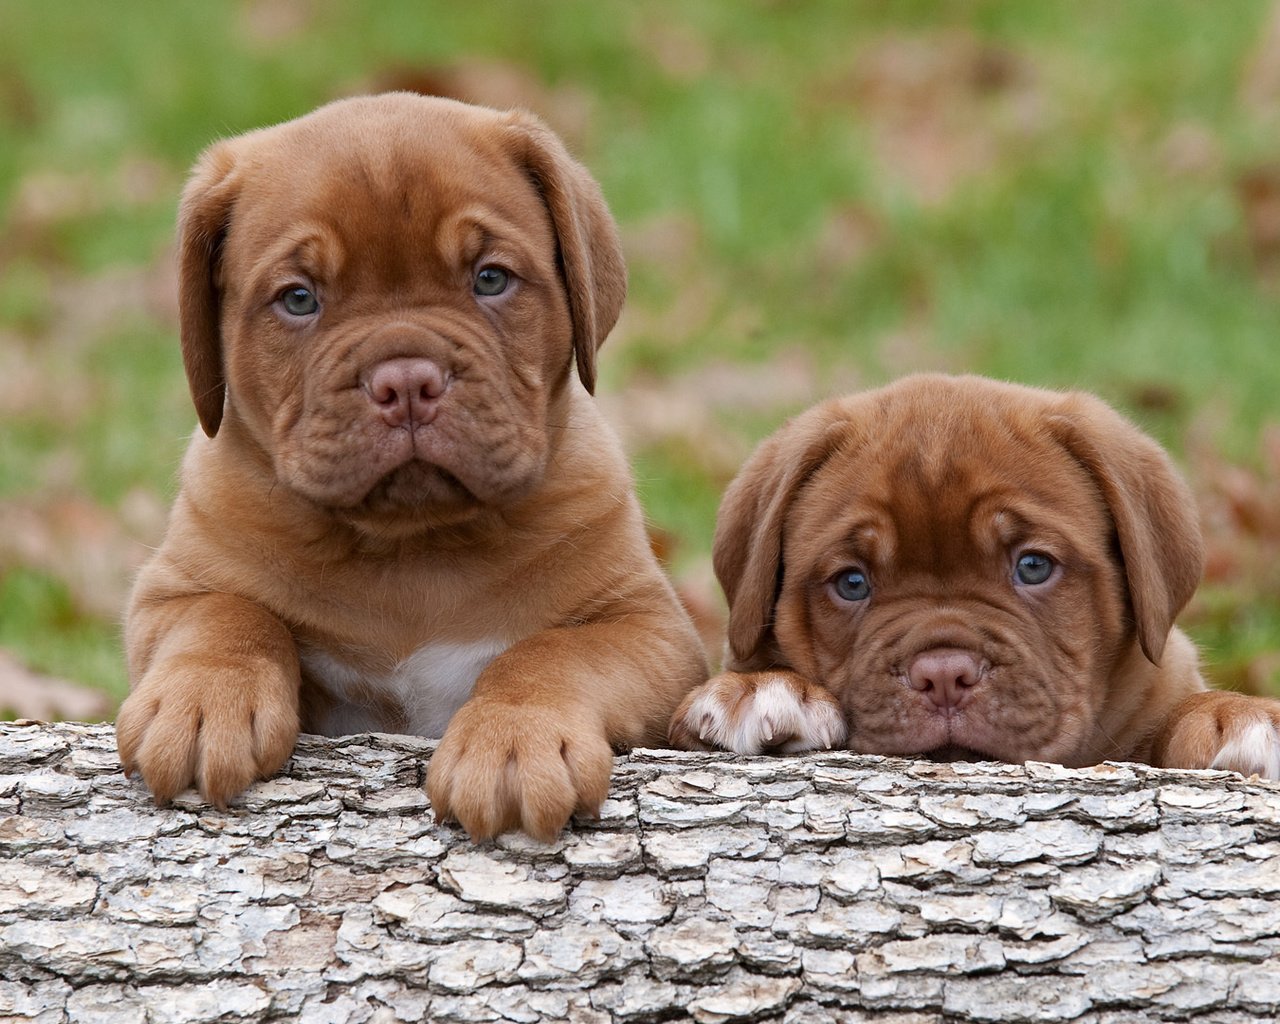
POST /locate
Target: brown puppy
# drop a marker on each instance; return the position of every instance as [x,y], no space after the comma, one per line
[956,567]
[404,513]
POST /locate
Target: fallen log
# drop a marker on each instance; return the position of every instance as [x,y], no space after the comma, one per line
[822,888]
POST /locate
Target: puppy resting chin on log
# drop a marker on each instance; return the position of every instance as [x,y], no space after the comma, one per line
[958,568]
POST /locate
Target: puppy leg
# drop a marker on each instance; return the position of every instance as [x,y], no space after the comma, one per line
[217,702]
[1222,730]
[534,744]
[754,712]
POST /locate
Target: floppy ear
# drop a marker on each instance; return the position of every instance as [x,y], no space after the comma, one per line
[203,216]
[747,551]
[595,275]
[1154,512]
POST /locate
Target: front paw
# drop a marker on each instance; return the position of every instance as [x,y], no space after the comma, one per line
[502,766]
[192,728]
[1223,730]
[754,712]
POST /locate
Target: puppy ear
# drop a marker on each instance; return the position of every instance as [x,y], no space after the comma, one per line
[203,216]
[747,551]
[1154,511]
[595,274]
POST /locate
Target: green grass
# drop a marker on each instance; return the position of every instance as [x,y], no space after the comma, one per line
[1074,250]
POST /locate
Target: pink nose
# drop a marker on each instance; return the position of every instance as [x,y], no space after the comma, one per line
[406,391]
[946,675]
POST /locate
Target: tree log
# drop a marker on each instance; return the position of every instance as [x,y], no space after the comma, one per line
[828,887]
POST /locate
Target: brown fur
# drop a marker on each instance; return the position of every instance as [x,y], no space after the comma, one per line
[934,487]
[311,543]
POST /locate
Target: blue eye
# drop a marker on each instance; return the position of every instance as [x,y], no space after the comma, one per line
[1033,568]
[852,585]
[491,280]
[299,301]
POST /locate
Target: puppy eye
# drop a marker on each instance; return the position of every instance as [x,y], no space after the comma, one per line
[1033,568]
[851,585]
[299,301]
[491,280]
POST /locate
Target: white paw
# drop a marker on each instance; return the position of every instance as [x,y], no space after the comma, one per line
[1251,748]
[769,716]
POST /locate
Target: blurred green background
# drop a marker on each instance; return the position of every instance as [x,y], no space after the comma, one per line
[815,196]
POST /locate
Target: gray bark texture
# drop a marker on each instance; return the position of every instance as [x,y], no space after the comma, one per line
[822,888]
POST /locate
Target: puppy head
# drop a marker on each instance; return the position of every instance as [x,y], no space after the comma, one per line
[962,562]
[387,295]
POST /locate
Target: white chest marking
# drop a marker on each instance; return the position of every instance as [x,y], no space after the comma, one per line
[430,685]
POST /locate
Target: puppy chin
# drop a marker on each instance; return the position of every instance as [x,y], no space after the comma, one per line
[951,753]
[935,741]
[414,490]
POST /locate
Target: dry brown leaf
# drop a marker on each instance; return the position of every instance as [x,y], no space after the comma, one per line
[27,694]
[1240,516]
[1191,150]
[676,48]
[52,197]
[692,311]
[849,234]
[18,103]
[265,24]
[1258,192]
[84,545]
[1261,673]
[911,349]
[925,97]
[691,408]
[671,243]
[495,84]
[700,594]
[1260,85]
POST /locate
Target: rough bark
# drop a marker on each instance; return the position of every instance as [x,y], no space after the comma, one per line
[821,888]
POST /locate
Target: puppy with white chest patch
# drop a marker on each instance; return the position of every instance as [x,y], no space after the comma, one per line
[404,512]
[955,568]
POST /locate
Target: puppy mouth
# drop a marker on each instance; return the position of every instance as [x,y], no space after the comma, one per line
[416,484]
[405,472]
[951,752]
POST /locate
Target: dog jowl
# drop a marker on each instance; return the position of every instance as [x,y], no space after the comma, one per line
[403,511]
[960,568]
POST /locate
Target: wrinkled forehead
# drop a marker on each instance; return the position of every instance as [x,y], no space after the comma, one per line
[386,180]
[947,492]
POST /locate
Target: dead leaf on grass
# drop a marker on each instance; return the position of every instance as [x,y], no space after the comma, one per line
[497,84]
[1240,514]
[910,348]
[52,197]
[850,233]
[265,24]
[18,103]
[29,695]
[682,54]
[90,549]
[699,592]
[1260,83]
[671,243]
[1191,150]
[926,98]
[1258,192]
[693,407]
[692,312]
[24,378]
